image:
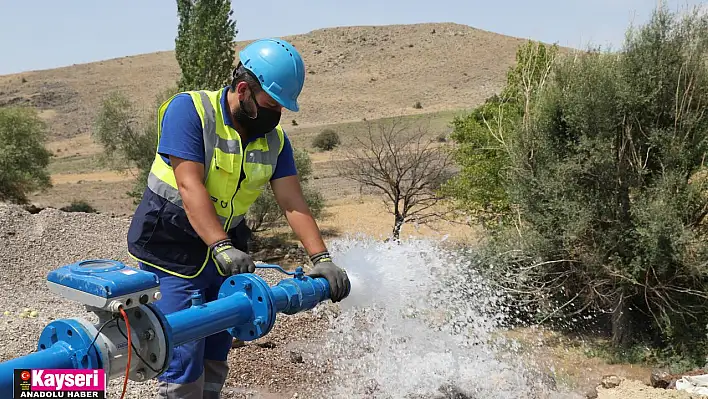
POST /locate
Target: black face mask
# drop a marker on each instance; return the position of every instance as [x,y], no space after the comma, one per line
[265,121]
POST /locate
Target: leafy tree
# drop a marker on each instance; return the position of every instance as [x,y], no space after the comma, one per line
[486,137]
[483,138]
[204,45]
[23,157]
[129,142]
[607,180]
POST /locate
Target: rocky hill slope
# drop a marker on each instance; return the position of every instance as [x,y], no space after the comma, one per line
[353,73]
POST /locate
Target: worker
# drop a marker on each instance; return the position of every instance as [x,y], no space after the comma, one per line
[216,151]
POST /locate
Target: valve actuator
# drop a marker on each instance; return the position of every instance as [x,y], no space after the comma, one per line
[105,285]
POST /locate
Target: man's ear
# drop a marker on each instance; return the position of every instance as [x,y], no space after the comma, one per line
[247,98]
[242,90]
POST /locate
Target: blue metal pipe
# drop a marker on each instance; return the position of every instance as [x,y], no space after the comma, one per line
[59,356]
[296,295]
[280,298]
[246,307]
[209,318]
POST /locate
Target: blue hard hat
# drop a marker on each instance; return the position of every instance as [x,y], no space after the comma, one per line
[279,68]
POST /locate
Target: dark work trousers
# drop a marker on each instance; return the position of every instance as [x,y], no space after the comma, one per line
[198,369]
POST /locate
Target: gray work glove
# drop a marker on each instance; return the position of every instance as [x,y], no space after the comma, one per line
[230,260]
[339,284]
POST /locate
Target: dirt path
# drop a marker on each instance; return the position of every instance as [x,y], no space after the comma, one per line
[106,176]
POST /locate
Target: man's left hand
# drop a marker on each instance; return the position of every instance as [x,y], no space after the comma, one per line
[339,284]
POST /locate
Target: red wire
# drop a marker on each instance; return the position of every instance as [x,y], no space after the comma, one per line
[130,353]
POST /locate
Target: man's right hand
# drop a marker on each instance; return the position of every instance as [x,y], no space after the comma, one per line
[230,260]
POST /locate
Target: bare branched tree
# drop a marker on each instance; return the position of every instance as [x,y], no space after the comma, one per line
[405,164]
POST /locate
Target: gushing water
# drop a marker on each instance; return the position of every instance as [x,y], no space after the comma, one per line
[419,323]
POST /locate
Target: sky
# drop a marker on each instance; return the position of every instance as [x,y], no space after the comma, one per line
[43,34]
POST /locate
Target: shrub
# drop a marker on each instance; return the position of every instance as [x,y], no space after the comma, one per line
[23,158]
[326,140]
[79,206]
[603,179]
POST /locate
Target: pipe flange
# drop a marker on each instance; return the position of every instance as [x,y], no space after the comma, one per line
[74,334]
[166,335]
[155,344]
[259,294]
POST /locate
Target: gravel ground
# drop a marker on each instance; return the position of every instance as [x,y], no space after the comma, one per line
[32,245]
[280,365]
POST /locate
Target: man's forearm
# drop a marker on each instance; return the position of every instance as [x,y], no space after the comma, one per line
[288,194]
[196,200]
[307,231]
[201,214]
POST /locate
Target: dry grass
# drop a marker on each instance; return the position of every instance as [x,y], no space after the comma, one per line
[106,197]
[76,172]
[353,73]
[566,359]
[367,215]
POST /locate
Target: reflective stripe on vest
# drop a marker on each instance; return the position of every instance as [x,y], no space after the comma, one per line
[224,162]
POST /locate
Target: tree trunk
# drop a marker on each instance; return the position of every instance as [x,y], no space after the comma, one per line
[397,227]
[621,323]
[621,317]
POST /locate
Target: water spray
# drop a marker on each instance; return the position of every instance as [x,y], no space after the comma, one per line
[122,297]
[421,322]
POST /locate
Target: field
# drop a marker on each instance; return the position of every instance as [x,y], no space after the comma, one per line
[355,74]
[78,175]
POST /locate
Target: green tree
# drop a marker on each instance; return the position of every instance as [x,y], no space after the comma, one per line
[265,213]
[608,180]
[483,138]
[204,46]
[486,137]
[129,141]
[23,157]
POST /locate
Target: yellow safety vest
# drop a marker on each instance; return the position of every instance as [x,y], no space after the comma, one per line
[225,158]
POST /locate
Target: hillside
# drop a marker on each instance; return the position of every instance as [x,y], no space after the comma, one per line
[353,73]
